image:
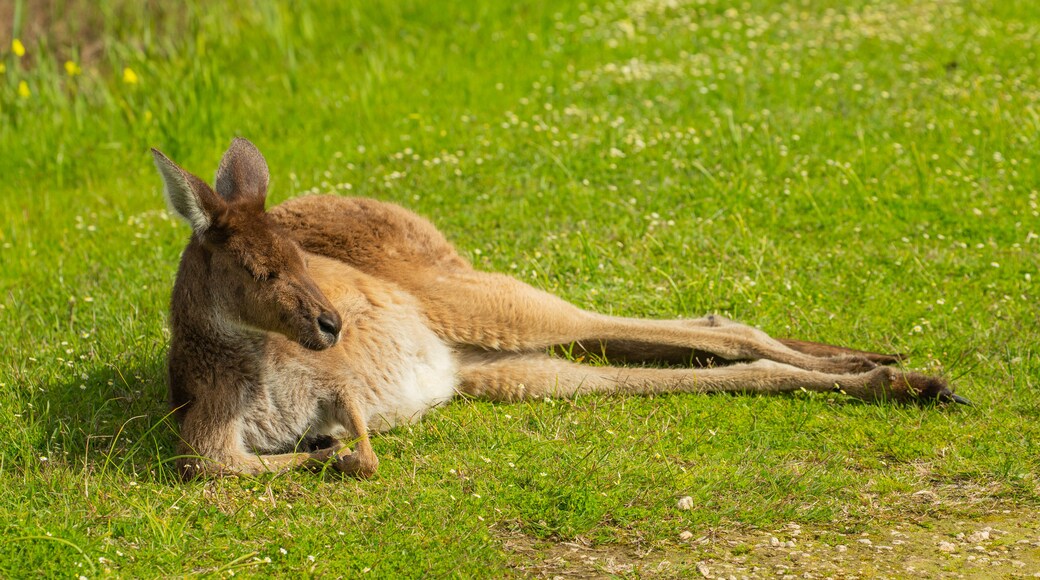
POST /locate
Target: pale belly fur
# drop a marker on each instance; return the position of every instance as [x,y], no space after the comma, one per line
[422,381]
[396,374]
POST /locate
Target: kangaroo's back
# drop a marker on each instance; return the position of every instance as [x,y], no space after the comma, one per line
[379,238]
[462,305]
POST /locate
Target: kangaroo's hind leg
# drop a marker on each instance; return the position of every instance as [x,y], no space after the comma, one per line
[513,377]
[808,347]
[822,349]
[497,312]
[622,351]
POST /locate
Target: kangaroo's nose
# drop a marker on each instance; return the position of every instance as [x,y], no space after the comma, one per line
[330,325]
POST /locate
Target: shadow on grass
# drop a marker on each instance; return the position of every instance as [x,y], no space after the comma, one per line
[115,417]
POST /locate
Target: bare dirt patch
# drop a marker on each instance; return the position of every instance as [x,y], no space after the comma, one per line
[1004,543]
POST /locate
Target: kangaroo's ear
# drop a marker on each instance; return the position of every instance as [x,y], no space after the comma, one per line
[188,196]
[243,174]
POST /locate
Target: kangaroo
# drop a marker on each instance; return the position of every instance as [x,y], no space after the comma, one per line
[296,332]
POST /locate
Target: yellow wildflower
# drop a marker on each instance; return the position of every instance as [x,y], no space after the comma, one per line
[23,90]
[18,48]
[3,68]
[72,69]
[129,76]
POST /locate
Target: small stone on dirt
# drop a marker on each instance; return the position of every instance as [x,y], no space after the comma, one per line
[686,503]
[686,535]
[947,547]
[979,536]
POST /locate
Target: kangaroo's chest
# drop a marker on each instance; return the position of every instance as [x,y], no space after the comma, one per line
[285,408]
[398,376]
[388,362]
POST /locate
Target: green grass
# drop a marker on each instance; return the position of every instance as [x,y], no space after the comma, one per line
[861,173]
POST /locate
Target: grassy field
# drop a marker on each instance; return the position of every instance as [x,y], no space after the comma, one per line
[861,173]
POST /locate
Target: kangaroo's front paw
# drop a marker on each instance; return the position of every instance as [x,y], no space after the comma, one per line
[358,465]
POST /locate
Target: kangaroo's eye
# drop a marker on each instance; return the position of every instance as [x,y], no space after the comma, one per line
[261,275]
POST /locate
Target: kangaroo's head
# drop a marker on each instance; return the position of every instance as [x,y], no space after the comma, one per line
[255,275]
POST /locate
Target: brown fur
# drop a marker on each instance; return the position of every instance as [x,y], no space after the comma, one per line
[328,316]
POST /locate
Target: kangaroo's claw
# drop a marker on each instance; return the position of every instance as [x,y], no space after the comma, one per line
[958,399]
[946,395]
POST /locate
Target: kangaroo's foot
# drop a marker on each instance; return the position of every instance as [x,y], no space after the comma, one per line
[908,387]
